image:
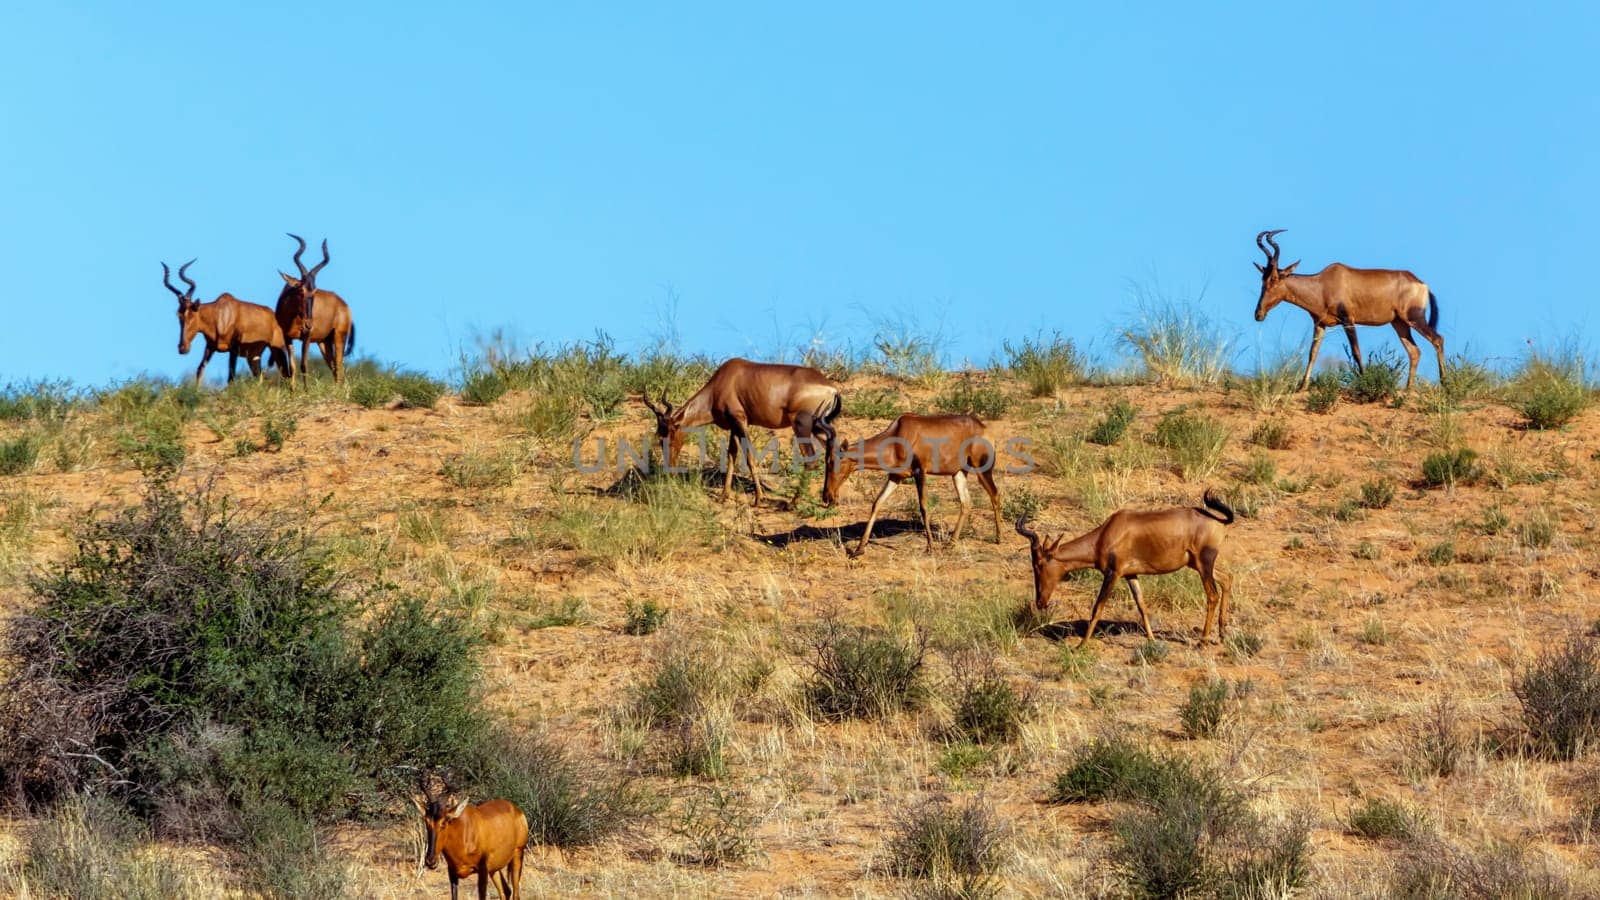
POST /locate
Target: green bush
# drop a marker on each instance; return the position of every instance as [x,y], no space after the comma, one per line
[1377,494]
[983,399]
[1323,393]
[718,827]
[1111,426]
[1271,434]
[643,618]
[939,839]
[1106,768]
[1560,697]
[1207,708]
[568,804]
[40,401]
[990,710]
[1046,365]
[880,403]
[18,454]
[1459,466]
[482,387]
[864,673]
[206,654]
[417,391]
[1376,381]
[1378,820]
[1552,389]
[1194,441]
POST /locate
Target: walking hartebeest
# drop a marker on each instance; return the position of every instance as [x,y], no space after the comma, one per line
[1131,543]
[300,301]
[1340,295]
[486,839]
[226,323]
[915,447]
[742,393]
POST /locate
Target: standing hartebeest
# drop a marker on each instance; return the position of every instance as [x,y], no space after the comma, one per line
[487,839]
[740,394]
[1131,543]
[1340,295]
[331,329]
[226,323]
[915,447]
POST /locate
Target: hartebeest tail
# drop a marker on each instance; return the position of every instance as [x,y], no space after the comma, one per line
[1134,543]
[1346,296]
[312,315]
[226,323]
[915,447]
[740,394]
[486,839]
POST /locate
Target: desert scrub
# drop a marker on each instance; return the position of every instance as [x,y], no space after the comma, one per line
[18,454]
[988,708]
[663,515]
[1431,868]
[1113,424]
[1323,393]
[1261,470]
[479,468]
[1046,364]
[481,387]
[1271,434]
[38,401]
[1552,389]
[1559,693]
[1377,820]
[1377,494]
[1176,343]
[1376,381]
[90,848]
[1211,704]
[939,839]
[1194,442]
[1021,502]
[879,403]
[568,803]
[863,673]
[978,397]
[1112,767]
[643,618]
[717,827]
[1449,467]
[372,387]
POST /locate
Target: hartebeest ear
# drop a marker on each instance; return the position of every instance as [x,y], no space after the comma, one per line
[1289,269]
[289,278]
[460,808]
[1259,267]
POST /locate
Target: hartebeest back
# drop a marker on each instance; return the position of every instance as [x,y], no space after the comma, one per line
[486,839]
[1131,543]
[915,447]
[740,394]
[1341,295]
[226,323]
[331,327]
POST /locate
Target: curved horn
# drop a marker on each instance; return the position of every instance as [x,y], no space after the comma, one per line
[645,396]
[297,263]
[312,275]
[166,279]
[1272,255]
[665,402]
[184,277]
[1025,531]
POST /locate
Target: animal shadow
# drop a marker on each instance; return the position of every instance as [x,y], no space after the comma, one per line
[845,534]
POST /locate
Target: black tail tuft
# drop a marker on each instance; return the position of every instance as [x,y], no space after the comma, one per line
[350,340]
[1216,504]
[1433,311]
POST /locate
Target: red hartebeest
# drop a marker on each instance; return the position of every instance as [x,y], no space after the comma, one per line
[1340,295]
[486,839]
[740,394]
[226,323]
[331,327]
[915,447]
[1140,542]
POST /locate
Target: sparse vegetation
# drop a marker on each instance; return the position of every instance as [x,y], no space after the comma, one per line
[989,709]
[1113,424]
[863,673]
[1377,380]
[1323,392]
[1552,388]
[1210,704]
[1377,494]
[1560,697]
[939,839]
[973,396]
[1449,467]
[1195,443]
[1046,364]
[1177,344]
[1379,820]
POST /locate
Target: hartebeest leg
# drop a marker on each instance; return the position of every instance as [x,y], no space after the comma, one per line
[233,363]
[872,515]
[516,874]
[1206,565]
[731,463]
[483,883]
[254,362]
[1225,584]
[1419,321]
[454,882]
[1138,603]
[986,478]
[966,505]
[1404,331]
[1355,346]
[921,479]
[205,357]
[1316,344]
[1099,601]
[305,348]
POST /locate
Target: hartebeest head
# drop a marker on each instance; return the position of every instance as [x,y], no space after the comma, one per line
[669,426]
[440,811]
[1272,289]
[302,291]
[844,464]
[188,307]
[1047,570]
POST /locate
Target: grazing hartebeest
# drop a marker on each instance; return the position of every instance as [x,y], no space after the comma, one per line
[1133,543]
[915,447]
[332,329]
[226,323]
[485,839]
[1340,295]
[740,394]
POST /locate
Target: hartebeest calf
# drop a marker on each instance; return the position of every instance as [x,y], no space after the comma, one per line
[330,326]
[915,447]
[1133,543]
[226,323]
[1341,295]
[486,839]
[740,394]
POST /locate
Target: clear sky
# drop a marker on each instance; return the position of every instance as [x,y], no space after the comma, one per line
[785,170]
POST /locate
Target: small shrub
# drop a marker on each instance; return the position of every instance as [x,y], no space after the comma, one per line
[1377,380]
[1207,708]
[1348,510]
[1243,644]
[18,454]
[417,391]
[1076,662]
[482,387]
[1377,494]
[372,390]
[1378,820]
[985,400]
[154,445]
[1177,343]
[1261,470]
[1272,434]
[90,848]
[1323,393]
[1046,365]
[1560,697]
[989,710]
[1494,521]
[567,804]
[482,469]
[697,746]
[1106,768]
[882,403]
[1437,743]
[938,839]
[276,429]
[1448,467]
[1433,870]
[1538,531]
[1194,441]
[956,760]
[1113,424]
[677,685]
[1440,554]
[1021,502]
[1551,390]
[1151,653]
[861,672]
[718,827]
[1374,632]
[643,618]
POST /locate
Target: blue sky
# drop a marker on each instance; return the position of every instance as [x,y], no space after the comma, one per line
[786,172]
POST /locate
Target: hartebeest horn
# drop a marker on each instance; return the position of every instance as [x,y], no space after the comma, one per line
[311,276]
[1272,255]
[297,263]
[1025,531]
[667,404]
[166,279]
[645,396]
[183,275]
